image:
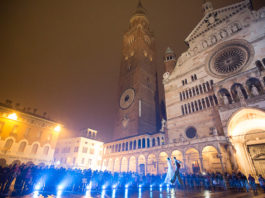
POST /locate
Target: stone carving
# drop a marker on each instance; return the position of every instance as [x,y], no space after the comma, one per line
[215,132]
[230,59]
[181,138]
[225,100]
[163,125]
[240,93]
[125,121]
[254,91]
[166,75]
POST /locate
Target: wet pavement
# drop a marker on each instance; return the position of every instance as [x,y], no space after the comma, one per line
[144,193]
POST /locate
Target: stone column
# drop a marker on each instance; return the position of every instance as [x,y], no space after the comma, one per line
[136,168]
[220,157]
[201,161]
[232,158]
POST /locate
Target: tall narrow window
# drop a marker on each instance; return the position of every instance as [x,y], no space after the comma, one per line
[139,143]
[148,142]
[180,96]
[34,149]
[189,107]
[192,106]
[182,110]
[207,102]
[186,109]
[143,143]
[22,147]
[8,144]
[153,142]
[203,103]
[158,141]
[196,106]
[200,105]
[200,89]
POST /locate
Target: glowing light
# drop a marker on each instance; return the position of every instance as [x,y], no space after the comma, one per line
[12,116]
[113,193]
[114,186]
[57,128]
[103,193]
[126,193]
[35,194]
[127,186]
[140,186]
[104,187]
[37,187]
[203,173]
[88,187]
[168,185]
[60,188]
[59,193]
[161,185]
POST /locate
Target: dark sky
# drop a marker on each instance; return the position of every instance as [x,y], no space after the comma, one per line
[63,56]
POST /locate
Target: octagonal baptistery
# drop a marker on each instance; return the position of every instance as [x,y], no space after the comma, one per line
[221,72]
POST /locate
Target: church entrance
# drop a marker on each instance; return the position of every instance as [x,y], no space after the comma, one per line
[246,129]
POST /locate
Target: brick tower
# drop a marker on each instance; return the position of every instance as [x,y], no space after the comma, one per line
[137,81]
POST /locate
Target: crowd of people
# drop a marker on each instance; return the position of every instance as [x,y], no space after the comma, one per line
[23,179]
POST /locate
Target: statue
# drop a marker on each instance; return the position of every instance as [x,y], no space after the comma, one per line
[225,100]
[163,125]
[181,138]
[215,132]
[240,93]
[254,91]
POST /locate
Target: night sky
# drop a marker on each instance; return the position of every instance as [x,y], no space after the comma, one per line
[63,56]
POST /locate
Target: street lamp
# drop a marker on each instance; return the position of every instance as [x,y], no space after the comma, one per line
[12,116]
[57,128]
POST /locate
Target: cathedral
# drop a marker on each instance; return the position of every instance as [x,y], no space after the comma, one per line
[214,97]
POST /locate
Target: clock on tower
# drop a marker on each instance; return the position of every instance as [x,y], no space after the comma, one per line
[137,82]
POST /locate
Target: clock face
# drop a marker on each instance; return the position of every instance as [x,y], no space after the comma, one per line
[127,98]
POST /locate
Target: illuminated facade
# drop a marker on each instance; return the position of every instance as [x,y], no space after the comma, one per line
[215,93]
[26,137]
[79,152]
[215,100]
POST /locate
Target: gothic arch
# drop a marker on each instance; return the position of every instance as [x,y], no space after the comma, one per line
[234,90]
[224,95]
[162,163]
[124,164]
[254,82]
[152,164]
[132,164]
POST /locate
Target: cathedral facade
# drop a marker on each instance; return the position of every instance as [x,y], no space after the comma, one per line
[214,95]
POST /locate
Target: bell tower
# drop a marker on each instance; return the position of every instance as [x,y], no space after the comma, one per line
[137,82]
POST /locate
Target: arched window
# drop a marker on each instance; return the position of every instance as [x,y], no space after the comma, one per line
[162,141]
[131,145]
[196,105]
[192,106]
[182,109]
[259,65]
[234,90]
[158,141]
[211,100]
[223,93]
[195,77]
[203,104]
[204,88]
[46,150]
[153,142]
[148,142]
[189,107]
[186,109]
[127,145]
[134,144]
[34,149]
[200,89]
[215,100]
[254,86]
[207,102]
[8,144]
[183,94]
[22,147]
[119,147]
[197,90]
[180,96]
[123,147]
[143,142]
[208,86]
[193,91]
[200,105]
[139,143]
